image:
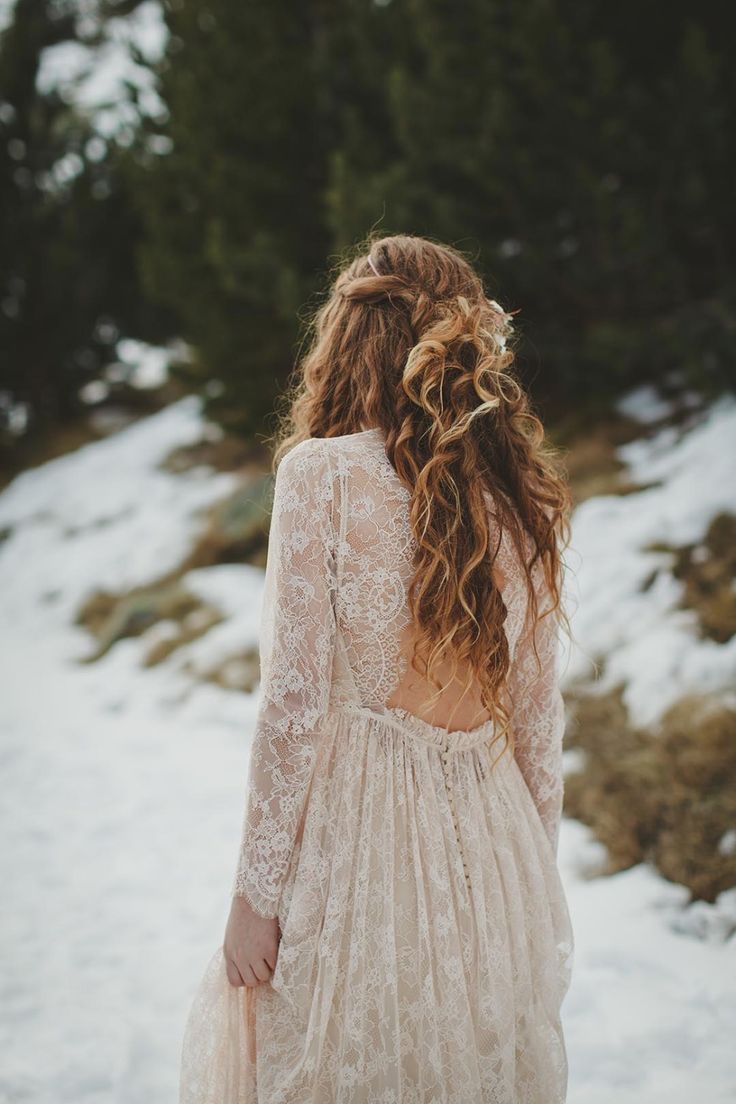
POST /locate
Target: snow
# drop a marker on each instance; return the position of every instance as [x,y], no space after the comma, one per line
[7,8]
[139,365]
[623,618]
[647,404]
[644,404]
[86,516]
[114,58]
[124,785]
[107,74]
[144,366]
[650,1013]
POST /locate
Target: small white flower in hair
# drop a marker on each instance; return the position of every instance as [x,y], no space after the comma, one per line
[497,307]
[500,338]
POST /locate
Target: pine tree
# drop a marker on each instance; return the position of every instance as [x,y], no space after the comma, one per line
[583,155]
[235,209]
[68,276]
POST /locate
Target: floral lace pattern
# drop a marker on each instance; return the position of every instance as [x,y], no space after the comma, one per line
[426,944]
[296,647]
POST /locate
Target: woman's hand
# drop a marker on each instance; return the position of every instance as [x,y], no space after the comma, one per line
[250,945]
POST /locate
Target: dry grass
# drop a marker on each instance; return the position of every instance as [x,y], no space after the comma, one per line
[236,672]
[707,571]
[236,531]
[172,618]
[227,453]
[667,797]
[589,437]
[588,452]
[112,617]
[237,528]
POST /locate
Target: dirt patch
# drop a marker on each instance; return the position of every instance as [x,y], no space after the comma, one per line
[237,528]
[170,617]
[667,796]
[588,450]
[235,531]
[111,617]
[707,570]
[589,438]
[237,672]
[222,452]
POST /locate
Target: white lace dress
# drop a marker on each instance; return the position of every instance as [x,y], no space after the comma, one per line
[426,945]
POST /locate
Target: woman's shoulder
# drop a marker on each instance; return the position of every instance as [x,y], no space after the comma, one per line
[338,452]
[362,437]
[324,459]
[305,468]
[312,445]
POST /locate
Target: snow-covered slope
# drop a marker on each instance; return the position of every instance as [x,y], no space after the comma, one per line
[645,641]
[123,785]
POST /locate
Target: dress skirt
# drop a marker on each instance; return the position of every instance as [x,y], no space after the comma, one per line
[426,944]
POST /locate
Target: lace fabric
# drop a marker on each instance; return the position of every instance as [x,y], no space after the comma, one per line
[297,642]
[426,944]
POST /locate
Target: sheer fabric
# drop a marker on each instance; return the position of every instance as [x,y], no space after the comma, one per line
[297,642]
[426,945]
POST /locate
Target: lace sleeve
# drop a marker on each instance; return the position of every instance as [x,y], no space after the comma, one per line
[538,715]
[297,637]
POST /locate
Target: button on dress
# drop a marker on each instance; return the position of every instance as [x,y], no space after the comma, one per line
[425,940]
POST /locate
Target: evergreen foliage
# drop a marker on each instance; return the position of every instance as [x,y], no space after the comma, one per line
[586,155]
[582,154]
[237,232]
[69,282]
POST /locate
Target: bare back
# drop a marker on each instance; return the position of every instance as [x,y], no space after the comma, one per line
[374,569]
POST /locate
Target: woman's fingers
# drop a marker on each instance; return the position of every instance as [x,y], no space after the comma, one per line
[249,977]
[262,970]
[250,945]
[233,973]
[248,973]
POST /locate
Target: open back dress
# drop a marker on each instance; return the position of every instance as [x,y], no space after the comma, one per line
[425,940]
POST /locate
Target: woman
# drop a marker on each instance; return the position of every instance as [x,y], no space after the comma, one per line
[398,930]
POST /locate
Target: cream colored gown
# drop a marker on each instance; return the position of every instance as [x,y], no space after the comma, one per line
[426,945]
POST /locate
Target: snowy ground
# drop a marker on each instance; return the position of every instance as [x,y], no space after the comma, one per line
[123,786]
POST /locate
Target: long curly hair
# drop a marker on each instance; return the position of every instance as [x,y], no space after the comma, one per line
[407,339]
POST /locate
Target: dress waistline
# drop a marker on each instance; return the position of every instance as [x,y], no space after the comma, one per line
[435,735]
